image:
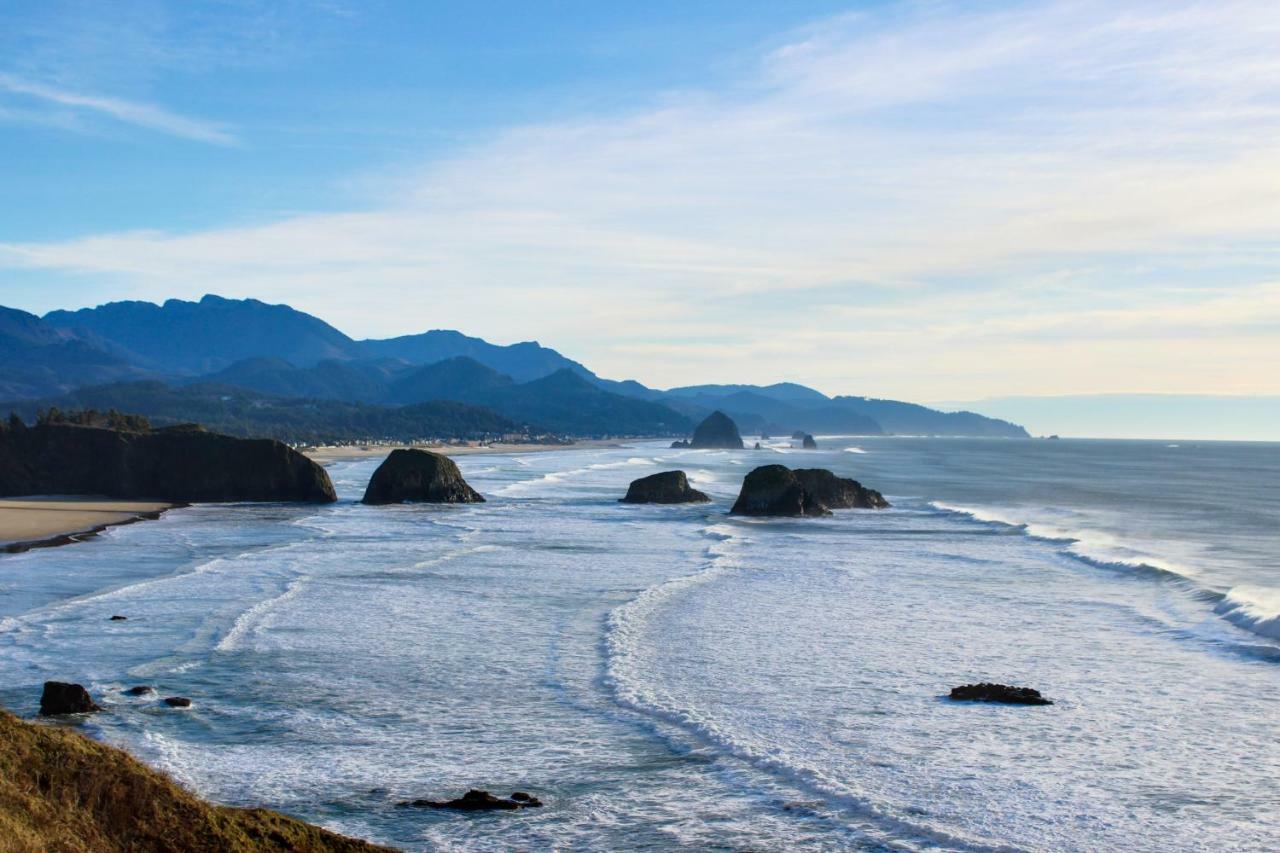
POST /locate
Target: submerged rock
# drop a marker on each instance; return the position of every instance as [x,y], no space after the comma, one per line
[60,697]
[118,618]
[477,801]
[987,692]
[140,690]
[839,492]
[177,701]
[717,431]
[777,490]
[808,442]
[419,476]
[681,444]
[668,487]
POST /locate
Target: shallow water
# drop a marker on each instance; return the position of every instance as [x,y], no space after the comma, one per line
[672,677]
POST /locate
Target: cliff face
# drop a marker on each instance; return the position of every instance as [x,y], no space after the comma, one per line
[181,465]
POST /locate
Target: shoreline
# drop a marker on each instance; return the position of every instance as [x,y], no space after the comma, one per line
[327,454]
[47,521]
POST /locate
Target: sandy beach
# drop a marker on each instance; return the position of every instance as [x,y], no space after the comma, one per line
[33,521]
[324,455]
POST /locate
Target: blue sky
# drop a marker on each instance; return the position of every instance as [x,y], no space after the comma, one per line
[930,200]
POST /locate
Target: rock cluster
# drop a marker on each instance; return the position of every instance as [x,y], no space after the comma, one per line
[419,476]
[777,490]
[476,801]
[62,698]
[668,487]
[184,465]
[987,692]
[718,432]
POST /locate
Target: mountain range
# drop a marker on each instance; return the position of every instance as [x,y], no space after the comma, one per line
[160,360]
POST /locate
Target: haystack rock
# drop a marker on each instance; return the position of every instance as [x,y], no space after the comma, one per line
[419,476]
[777,490]
[669,487]
[62,698]
[717,432]
[808,442]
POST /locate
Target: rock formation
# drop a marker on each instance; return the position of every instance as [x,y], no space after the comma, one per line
[177,701]
[62,698]
[475,801]
[669,487]
[140,690]
[808,442]
[986,692]
[419,476]
[179,464]
[679,444]
[777,490]
[718,431]
[838,492]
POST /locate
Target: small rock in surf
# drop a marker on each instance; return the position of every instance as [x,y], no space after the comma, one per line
[986,692]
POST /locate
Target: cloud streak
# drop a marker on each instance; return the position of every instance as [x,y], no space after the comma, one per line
[968,192]
[140,115]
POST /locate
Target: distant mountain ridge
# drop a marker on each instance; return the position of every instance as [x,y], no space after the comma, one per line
[277,351]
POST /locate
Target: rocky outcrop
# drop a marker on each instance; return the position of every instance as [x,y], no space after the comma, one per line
[669,487]
[177,701]
[419,476]
[182,465]
[140,690]
[838,492]
[717,432]
[777,490]
[987,692]
[477,801]
[808,442]
[62,698]
[680,444]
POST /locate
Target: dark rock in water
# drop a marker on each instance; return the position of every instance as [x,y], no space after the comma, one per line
[477,801]
[173,464]
[679,445]
[718,431]
[838,492]
[419,476]
[808,442]
[986,692]
[775,490]
[118,618]
[177,701]
[62,698]
[757,447]
[669,487]
[140,690]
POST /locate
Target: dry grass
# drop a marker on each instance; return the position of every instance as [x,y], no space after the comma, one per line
[60,791]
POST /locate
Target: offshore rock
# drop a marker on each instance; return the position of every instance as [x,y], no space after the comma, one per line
[421,477]
[668,487]
[777,490]
[808,442]
[60,697]
[477,801]
[987,692]
[838,492]
[717,432]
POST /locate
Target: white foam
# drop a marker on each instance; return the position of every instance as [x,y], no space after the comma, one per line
[1254,608]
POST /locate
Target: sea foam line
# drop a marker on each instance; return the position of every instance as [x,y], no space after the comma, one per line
[624,676]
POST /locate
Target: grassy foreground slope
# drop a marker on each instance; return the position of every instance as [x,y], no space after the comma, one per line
[60,791]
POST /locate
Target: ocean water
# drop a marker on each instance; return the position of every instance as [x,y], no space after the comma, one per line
[672,677]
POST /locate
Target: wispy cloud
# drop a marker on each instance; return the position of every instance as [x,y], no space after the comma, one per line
[910,202]
[129,112]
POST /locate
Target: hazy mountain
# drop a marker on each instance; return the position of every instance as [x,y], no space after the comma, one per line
[522,361]
[901,418]
[459,378]
[182,337]
[788,392]
[362,381]
[37,359]
[236,411]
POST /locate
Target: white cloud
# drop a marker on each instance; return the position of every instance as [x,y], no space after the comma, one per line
[925,202]
[129,112]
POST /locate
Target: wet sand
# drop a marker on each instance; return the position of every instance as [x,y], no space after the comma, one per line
[36,521]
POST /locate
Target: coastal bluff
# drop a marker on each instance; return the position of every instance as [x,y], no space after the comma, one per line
[178,464]
[418,476]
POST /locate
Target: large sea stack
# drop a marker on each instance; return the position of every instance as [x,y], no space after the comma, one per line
[669,487]
[717,432]
[180,464]
[777,490]
[419,476]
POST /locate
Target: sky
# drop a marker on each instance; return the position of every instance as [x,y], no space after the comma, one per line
[922,200]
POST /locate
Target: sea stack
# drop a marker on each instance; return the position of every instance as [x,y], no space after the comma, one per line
[808,442]
[775,490]
[669,487]
[419,476]
[60,697]
[717,432]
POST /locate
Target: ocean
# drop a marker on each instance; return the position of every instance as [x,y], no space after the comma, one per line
[669,677]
